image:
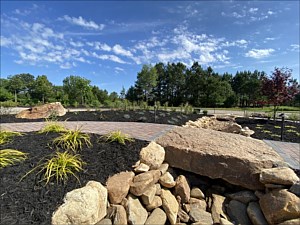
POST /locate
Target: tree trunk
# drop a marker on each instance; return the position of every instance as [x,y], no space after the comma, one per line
[16,96]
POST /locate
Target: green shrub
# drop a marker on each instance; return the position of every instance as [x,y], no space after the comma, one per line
[10,157]
[205,112]
[72,140]
[8,104]
[118,136]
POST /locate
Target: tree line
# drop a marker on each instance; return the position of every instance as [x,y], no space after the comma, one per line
[175,84]
[171,84]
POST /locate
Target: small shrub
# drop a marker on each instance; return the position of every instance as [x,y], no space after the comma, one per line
[275,135]
[6,136]
[205,112]
[10,157]
[53,127]
[8,103]
[290,126]
[266,131]
[53,116]
[291,131]
[118,136]
[72,140]
[59,166]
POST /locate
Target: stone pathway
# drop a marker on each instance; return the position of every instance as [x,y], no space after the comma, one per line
[290,152]
[142,131]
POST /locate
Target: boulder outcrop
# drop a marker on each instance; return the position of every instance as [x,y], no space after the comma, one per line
[43,111]
[232,157]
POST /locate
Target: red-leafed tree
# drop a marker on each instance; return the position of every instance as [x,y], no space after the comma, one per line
[279,87]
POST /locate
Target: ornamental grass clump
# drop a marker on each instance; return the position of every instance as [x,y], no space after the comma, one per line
[10,157]
[60,166]
[72,140]
[118,136]
[52,127]
[6,136]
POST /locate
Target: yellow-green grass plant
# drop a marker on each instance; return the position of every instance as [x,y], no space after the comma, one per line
[60,166]
[118,136]
[10,157]
[72,140]
[6,136]
[53,127]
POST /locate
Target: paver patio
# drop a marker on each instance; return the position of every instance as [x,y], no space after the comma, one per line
[290,152]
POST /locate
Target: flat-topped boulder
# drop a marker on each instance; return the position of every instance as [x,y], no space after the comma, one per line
[43,111]
[232,157]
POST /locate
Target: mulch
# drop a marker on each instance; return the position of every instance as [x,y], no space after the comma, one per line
[271,130]
[143,116]
[30,202]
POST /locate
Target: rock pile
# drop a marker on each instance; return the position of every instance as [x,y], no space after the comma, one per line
[152,195]
[224,124]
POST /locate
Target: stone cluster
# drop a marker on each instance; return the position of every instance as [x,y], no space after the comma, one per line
[224,124]
[151,195]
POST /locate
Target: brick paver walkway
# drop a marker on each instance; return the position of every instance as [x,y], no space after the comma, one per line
[290,152]
[142,131]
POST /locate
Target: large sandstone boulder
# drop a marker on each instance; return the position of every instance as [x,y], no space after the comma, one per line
[43,111]
[234,158]
[85,206]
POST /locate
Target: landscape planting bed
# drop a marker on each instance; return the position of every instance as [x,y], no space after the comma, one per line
[162,117]
[29,202]
[271,130]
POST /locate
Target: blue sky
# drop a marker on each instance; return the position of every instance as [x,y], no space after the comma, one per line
[108,42]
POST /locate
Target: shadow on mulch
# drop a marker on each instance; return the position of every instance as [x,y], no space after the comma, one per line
[29,202]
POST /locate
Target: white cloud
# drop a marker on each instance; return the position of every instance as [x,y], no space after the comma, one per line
[118,69]
[76,44]
[253,10]
[295,47]
[119,50]
[5,42]
[259,53]
[271,12]
[109,57]
[83,23]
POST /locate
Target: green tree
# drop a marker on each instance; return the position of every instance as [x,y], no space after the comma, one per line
[146,81]
[20,83]
[101,95]
[77,88]
[42,89]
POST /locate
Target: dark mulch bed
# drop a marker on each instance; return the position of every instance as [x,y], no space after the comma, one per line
[29,202]
[147,116]
[271,130]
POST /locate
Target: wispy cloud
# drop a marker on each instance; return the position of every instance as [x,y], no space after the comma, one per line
[83,22]
[259,53]
[119,50]
[294,47]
